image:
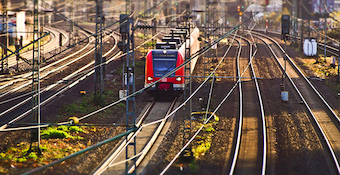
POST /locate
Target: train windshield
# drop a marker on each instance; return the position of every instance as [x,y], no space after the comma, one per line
[164,62]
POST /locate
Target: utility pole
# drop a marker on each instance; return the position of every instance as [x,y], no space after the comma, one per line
[35,133]
[294,21]
[206,59]
[4,63]
[301,36]
[127,33]
[128,6]
[325,28]
[77,13]
[154,23]
[99,63]
[188,80]
[71,13]
[145,15]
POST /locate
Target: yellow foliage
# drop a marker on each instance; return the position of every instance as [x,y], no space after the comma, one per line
[285,11]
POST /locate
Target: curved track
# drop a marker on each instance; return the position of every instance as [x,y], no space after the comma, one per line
[250,149]
[58,86]
[326,122]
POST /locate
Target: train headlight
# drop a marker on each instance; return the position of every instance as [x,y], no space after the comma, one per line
[178,78]
[150,78]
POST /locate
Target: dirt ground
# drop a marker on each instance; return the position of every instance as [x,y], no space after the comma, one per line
[85,163]
[293,146]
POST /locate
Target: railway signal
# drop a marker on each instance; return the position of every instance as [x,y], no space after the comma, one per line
[267,2]
[60,39]
[285,26]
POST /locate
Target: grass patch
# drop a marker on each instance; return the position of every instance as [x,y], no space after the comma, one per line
[61,132]
[87,105]
[203,141]
[55,144]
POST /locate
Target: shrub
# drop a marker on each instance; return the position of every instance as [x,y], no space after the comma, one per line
[76,129]
[33,156]
[59,133]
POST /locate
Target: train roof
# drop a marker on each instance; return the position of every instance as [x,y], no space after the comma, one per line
[178,40]
[166,45]
[182,31]
[163,52]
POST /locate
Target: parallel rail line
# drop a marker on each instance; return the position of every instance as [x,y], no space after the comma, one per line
[259,153]
[116,159]
[326,122]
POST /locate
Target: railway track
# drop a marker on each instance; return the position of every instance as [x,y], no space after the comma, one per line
[325,121]
[329,48]
[47,48]
[250,140]
[58,86]
[22,81]
[115,162]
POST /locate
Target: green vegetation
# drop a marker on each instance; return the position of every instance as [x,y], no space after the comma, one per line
[203,141]
[61,132]
[322,68]
[54,145]
[150,44]
[141,35]
[87,105]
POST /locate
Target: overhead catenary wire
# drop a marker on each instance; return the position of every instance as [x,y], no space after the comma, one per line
[107,27]
[220,104]
[198,53]
[55,94]
[20,96]
[175,110]
[191,96]
[170,113]
[80,152]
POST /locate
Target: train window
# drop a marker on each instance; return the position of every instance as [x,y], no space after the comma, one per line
[163,66]
[164,62]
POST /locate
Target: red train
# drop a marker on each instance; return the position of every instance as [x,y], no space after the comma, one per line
[168,55]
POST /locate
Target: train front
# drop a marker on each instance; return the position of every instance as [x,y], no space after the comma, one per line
[159,63]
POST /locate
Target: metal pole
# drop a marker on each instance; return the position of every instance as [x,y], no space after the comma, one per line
[81,151]
[7,37]
[325,27]
[301,36]
[317,50]
[285,59]
[98,78]
[35,133]
[130,88]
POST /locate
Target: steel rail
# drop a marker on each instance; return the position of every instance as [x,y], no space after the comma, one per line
[59,82]
[320,45]
[122,144]
[59,92]
[153,139]
[324,139]
[52,31]
[240,122]
[304,77]
[80,152]
[180,106]
[27,75]
[263,119]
